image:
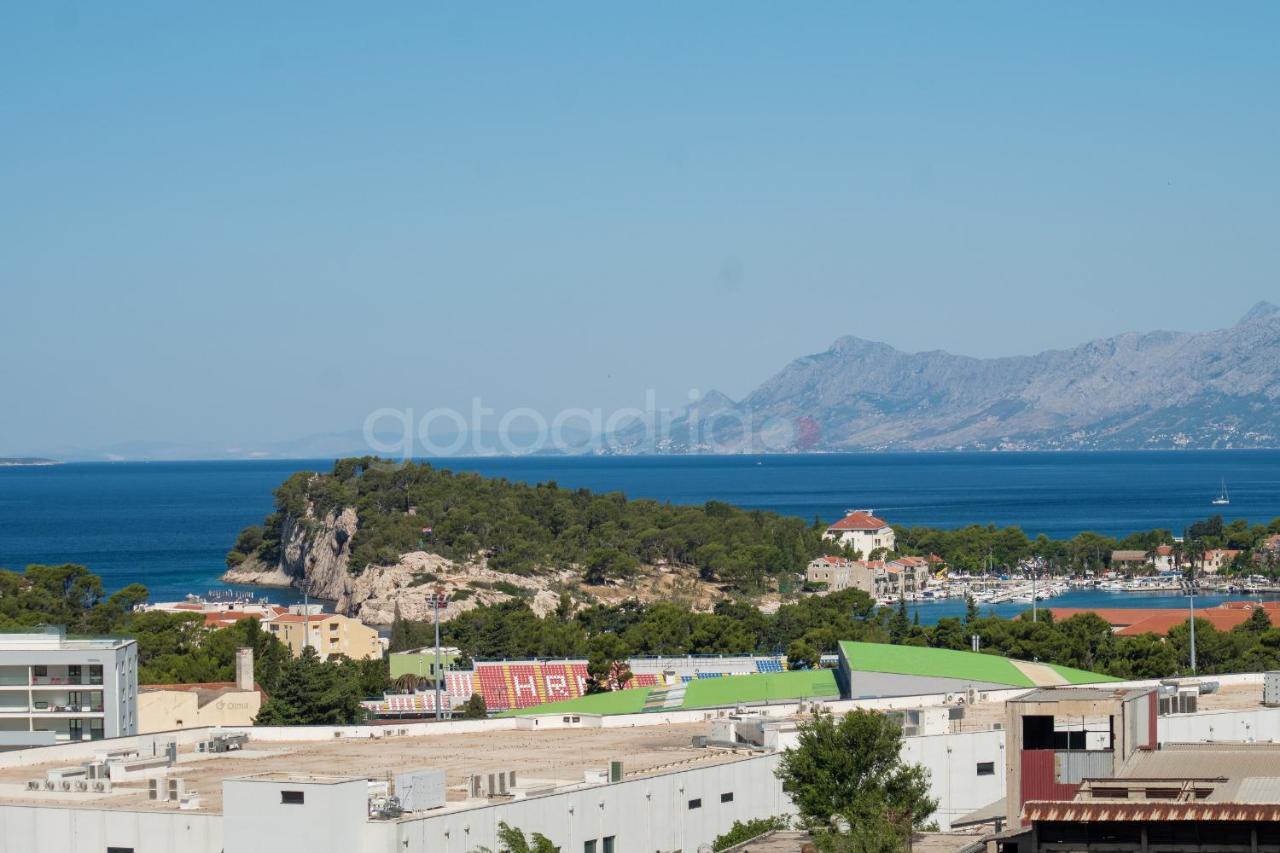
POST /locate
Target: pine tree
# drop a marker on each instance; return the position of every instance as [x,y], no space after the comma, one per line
[899,622]
[401,638]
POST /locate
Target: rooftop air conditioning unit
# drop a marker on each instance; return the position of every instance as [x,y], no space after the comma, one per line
[82,785]
[102,786]
[1271,689]
[177,788]
[157,790]
[50,785]
[33,785]
[65,785]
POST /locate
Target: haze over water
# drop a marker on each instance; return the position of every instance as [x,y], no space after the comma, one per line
[168,525]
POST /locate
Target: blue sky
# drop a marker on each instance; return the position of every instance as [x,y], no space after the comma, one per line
[259,221]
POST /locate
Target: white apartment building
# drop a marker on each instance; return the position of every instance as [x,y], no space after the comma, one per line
[54,688]
[861,529]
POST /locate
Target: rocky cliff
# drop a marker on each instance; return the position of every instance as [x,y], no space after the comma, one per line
[1218,389]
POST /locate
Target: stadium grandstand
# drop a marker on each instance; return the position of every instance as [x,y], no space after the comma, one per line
[859,671]
[519,685]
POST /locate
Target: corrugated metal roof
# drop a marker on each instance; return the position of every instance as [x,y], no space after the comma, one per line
[1230,761]
[1258,789]
[1150,810]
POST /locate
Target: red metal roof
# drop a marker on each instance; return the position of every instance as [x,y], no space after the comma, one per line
[1147,810]
[1132,621]
[859,520]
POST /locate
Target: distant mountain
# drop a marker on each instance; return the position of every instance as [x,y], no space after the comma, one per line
[1157,390]
[25,461]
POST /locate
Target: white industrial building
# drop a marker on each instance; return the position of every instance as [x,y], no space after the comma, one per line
[622,784]
[55,688]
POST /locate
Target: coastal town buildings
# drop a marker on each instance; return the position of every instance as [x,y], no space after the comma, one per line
[220,614]
[329,634]
[862,531]
[56,689]
[840,573]
[901,577]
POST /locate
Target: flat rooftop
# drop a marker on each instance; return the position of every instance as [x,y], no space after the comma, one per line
[558,756]
[1232,697]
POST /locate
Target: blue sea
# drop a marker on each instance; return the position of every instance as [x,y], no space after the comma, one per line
[168,525]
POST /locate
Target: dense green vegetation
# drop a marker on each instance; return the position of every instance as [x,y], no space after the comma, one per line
[815,625]
[852,767]
[527,528]
[522,528]
[974,547]
[746,830]
[178,648]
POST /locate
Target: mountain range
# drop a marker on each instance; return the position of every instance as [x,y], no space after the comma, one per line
[1154,390]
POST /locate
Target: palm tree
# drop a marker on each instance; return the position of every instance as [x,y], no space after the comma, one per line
[407,683]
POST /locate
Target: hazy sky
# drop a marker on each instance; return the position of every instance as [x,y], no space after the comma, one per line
[260,221]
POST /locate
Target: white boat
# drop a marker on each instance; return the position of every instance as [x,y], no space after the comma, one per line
[1223,498]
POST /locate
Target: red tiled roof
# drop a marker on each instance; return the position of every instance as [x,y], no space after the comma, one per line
[1164,550]
[1131,622]
[859,520]
[834,560]
[299,617]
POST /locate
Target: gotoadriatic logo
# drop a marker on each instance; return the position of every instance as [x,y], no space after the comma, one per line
[403,434]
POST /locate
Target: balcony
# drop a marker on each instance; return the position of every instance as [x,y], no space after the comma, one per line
[66,708]
[66,681]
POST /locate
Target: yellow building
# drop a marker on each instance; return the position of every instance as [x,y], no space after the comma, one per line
[165,707]
[328,633]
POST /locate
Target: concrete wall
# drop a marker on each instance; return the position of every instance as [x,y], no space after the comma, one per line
[644,815]
[952,761]
[332,816]
[165,710]
[1255,724]
[43,829]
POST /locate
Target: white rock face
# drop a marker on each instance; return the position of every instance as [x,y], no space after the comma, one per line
[374,594]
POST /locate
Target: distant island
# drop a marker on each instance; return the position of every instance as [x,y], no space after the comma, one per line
[25,461]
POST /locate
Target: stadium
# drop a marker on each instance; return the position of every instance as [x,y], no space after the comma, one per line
[859,671]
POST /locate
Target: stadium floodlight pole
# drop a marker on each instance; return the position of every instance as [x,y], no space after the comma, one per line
[1191,595]
[435,604]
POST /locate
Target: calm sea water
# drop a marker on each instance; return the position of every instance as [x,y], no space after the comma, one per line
[168,525]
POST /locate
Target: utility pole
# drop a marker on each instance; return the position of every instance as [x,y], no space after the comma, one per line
[1034,571]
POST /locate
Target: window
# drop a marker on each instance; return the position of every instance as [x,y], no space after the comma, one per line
[95,673]
[589,846]
[695,804]
[40,670]
[727,798]
[291,798]
[986,768]
[1111,793]
[119,850]
[608,844]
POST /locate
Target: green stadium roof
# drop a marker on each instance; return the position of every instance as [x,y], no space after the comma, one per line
[964,666]
[764,687]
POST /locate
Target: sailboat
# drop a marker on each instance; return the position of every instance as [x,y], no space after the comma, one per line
[1223,498]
